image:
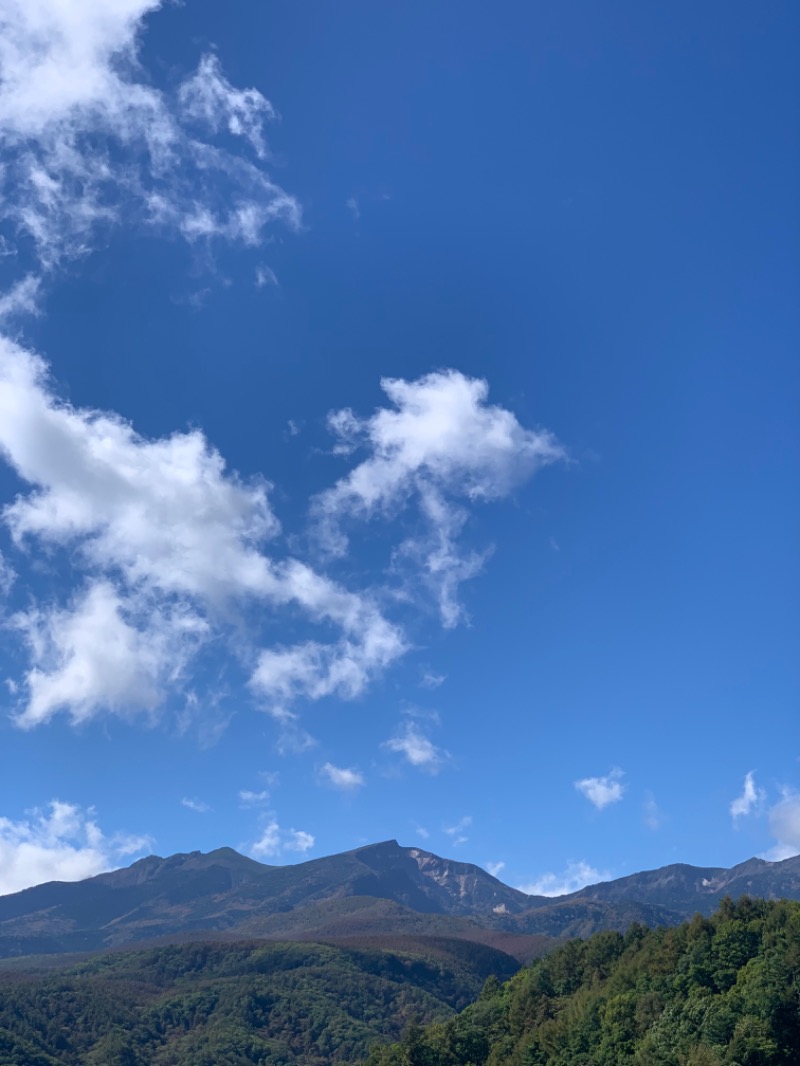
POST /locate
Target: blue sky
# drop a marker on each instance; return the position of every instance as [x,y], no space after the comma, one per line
[399,433]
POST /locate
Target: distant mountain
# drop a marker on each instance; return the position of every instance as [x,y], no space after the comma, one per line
[689,889]
[381,889]
[224,891]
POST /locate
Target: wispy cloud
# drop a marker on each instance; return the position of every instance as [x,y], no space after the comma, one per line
[274,841]
[416,748]
[21,299]
[751,799]
[430,679]
[653,818]
[577,875]
[253,799]
[62,843]
[90,141]
[7,575]
[265,276]
[458,832]
[196,805]
[345,779]
[602,791]
[495,868]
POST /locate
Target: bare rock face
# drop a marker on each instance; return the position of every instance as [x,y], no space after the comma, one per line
[429,883]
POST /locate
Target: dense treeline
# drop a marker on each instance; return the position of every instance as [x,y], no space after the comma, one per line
[219,1004]
[723,991]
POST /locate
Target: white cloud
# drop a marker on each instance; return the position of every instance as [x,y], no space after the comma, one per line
[178,540]
[196,805]
[274,841]
[341,777]
[172,546]
[438,443]
[89,657]
[783,817]
[576,876]
[784,824]
[751,799]
[422,832]
[353,207]
[90,140]
[368,646]
[495,868]
[168,542]
[416,748]
[253,799]
[299,840]
[163,512]
[269,843]
[63,843]
[601,791]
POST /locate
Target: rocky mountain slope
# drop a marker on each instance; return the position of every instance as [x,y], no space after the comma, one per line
[381,889]
[689,889]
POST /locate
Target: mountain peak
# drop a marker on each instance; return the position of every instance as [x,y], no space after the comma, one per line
[380,845]
[224,891]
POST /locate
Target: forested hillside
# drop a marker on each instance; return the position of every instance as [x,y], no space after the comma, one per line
[723,991]
[230,1004]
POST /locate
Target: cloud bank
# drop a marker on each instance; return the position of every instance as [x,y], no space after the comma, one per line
[62,843]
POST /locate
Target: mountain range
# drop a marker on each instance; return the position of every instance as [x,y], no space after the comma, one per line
[380,890]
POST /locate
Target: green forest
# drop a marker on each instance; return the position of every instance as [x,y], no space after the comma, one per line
[219,1004]
[723,991]
[720,991]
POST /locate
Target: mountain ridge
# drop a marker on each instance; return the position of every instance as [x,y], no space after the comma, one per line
[374,889]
